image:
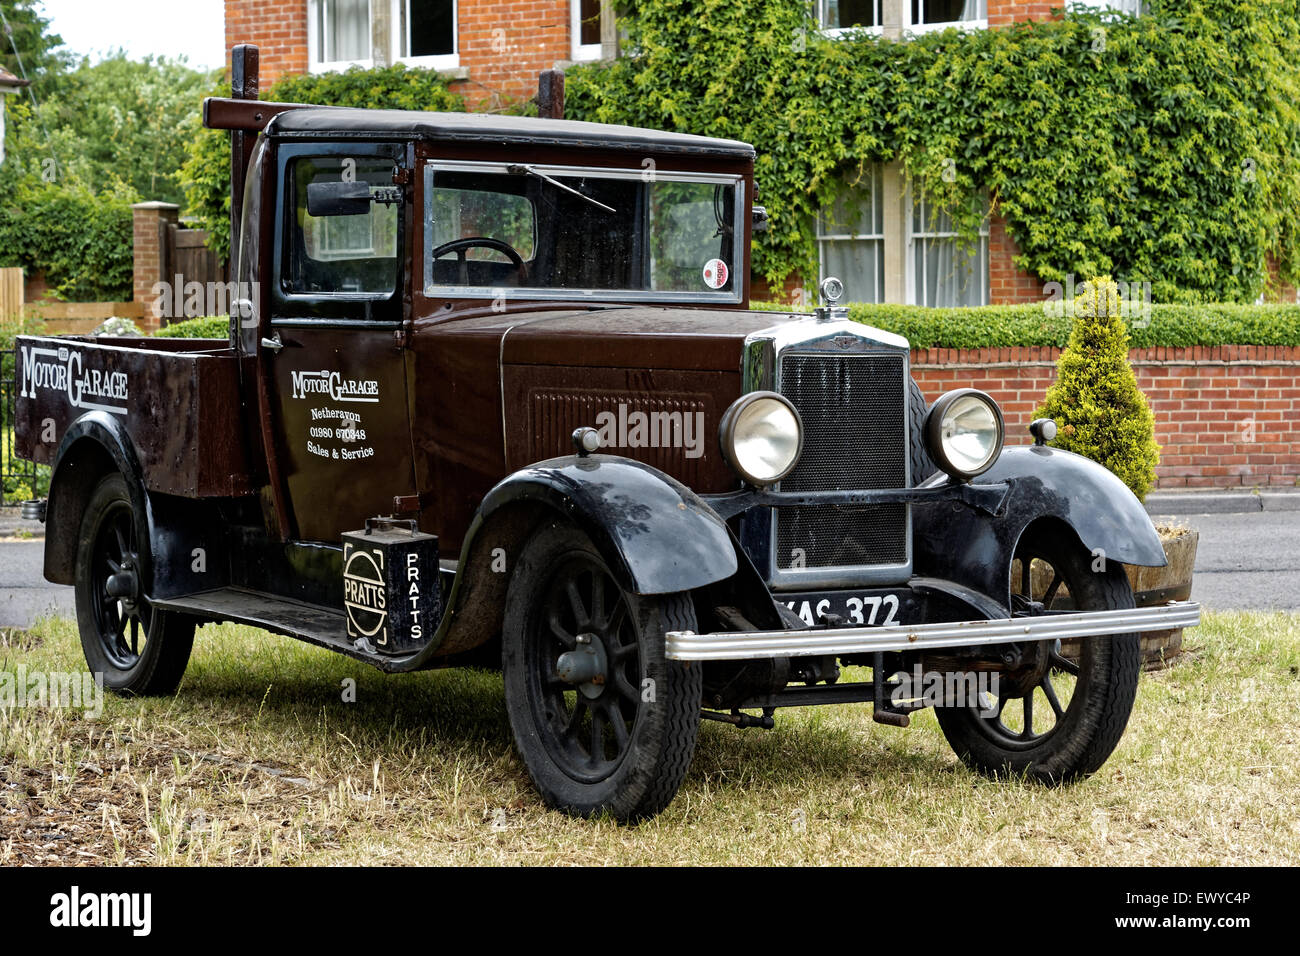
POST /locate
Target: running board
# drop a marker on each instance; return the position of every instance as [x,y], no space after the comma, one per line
[745,645]
[310,623]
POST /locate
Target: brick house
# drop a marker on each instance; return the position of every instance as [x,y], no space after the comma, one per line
[881,240]
[492,50]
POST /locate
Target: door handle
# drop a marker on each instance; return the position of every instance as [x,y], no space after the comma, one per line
[273,343]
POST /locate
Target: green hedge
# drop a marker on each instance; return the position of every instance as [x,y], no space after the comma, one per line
[1005,326]
[209,327]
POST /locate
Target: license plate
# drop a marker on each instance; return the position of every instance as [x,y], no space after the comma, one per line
[870,608]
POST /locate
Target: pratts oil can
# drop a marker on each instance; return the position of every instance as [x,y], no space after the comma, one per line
[390,585]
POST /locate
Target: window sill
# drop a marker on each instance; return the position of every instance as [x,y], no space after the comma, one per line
[916,29]
[835,33]
[338,66]
[446,63]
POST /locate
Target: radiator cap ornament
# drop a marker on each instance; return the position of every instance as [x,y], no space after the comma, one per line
[831,289]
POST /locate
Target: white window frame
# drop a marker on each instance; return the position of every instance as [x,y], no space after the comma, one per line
[914,28]
[829,31]
[1104,5]
[316,65]
[913,236]
[441,61]
[875,174]
[580,51]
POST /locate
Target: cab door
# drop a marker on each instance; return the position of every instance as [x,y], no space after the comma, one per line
[335,363]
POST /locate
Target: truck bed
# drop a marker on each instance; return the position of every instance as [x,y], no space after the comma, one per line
[178,401]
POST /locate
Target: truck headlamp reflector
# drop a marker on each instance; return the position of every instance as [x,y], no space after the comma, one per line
[761,436]
[964,432]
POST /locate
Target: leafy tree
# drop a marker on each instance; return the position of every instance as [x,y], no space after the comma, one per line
[42,53]
[129,121]
[1098,408]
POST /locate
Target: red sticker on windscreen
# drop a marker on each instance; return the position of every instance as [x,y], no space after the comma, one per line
[715,273]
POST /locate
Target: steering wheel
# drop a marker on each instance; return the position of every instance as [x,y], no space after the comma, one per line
[462,246]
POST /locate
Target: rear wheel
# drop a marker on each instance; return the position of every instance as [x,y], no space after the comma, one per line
[603,721]
[138,648]
[1052,718]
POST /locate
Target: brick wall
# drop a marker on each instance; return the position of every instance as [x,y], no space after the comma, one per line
[505,43]
[147,219]
[1004,12]
[1008,283]
[1224,416]
[277,27]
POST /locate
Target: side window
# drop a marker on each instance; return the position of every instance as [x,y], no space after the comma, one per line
[353,251]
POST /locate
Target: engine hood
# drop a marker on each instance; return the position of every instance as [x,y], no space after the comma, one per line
[647,338]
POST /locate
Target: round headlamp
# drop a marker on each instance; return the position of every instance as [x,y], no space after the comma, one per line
[964,432]
[761,436]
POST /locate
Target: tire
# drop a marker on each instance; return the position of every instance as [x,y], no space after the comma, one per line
[922,465]
[139,649]
[622,741]
[1078,737]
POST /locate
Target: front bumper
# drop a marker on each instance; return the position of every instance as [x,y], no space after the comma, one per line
[838,641]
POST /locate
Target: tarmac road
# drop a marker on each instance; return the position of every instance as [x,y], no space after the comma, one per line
[1245,560]
[25,595]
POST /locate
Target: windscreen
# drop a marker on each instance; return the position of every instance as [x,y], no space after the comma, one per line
[559,232]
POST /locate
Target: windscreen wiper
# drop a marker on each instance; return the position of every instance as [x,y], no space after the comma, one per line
[522,169]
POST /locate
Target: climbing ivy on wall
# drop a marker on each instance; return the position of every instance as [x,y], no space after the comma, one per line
[1164,148]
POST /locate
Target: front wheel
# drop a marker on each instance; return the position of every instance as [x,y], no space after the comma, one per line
[603,721]
[1051,718]
[138,648]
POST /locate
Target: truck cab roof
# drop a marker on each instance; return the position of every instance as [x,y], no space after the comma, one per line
[345,123]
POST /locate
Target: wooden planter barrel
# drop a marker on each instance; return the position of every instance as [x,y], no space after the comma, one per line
[1153,586]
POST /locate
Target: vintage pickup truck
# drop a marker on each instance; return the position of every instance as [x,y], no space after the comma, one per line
[493,392]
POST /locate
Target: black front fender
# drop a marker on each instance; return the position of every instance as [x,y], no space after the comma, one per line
[656,534]
[974,548]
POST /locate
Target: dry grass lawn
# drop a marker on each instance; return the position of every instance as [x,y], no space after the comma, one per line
[258,760]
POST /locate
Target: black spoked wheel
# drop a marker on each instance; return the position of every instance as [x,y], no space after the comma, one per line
[584,670]
[602,720]
[139,649]
[1052,718]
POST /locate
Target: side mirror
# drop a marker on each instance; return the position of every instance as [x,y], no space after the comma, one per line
[338,199]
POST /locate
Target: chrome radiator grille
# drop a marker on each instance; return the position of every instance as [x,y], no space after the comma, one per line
[854,410]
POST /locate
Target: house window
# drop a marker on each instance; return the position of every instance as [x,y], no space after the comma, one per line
[836,15]
[585,29]
[946,270]
[424,33]
[940,14]
[339,33]
[851,239]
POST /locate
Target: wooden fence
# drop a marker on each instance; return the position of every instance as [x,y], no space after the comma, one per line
[11,293]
